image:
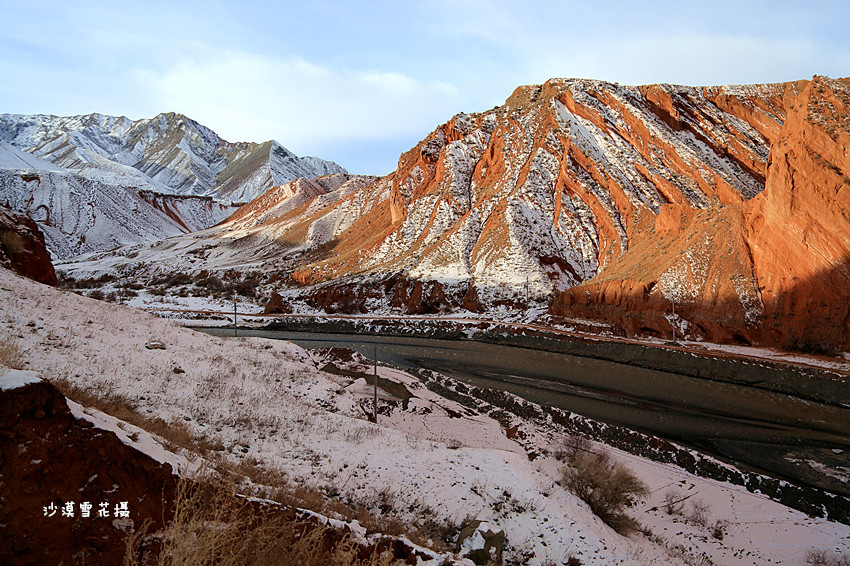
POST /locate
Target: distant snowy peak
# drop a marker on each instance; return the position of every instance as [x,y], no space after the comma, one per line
[173,153]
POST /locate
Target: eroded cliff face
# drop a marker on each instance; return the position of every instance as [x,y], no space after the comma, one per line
[798,229]
[22,248]
[771,270]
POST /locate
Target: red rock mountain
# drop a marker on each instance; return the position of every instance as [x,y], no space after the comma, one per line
[774,269]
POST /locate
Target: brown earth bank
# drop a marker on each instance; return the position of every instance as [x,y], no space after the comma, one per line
[49,458]
[22,248]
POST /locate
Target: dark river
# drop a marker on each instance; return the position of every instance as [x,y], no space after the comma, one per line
[765,431]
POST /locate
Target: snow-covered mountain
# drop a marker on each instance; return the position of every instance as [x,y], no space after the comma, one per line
[97,182]
[80,215]
[169,153]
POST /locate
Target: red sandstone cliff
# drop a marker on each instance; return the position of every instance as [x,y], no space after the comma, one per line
[22,248]
[772,270]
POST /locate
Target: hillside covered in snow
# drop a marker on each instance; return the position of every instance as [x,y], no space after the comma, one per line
[287,416]
[94,183]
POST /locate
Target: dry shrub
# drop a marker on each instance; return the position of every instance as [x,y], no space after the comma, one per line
[817,557]
[674,503]
[10,352]
[211,525]
[699,513]
[606,485]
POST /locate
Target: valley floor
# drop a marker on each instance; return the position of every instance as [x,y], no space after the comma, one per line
[266,405]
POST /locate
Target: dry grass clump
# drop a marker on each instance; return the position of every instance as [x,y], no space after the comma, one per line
[10,352]
[817,557]
[606,485]
[176,434]
[212,525]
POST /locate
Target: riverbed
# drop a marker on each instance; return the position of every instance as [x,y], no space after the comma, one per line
[790,437]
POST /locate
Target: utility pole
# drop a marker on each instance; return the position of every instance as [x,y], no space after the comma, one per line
[673,300]
[234,311]
[375,398]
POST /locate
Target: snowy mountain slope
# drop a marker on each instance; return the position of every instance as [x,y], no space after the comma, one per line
[13,158]
[79,215]
[547,188]
[192,213]
[606,202]
[259,235]
[176,154]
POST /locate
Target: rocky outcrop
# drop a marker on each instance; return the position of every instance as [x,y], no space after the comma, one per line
[416,297]
[277,305]
[773,270]
[22,248]
[481,542]
[49,459]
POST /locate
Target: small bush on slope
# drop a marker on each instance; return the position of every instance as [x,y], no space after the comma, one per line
[824,558]
[10,353]
[607,486]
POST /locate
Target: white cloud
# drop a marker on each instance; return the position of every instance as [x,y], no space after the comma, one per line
[692,59]
[245,96]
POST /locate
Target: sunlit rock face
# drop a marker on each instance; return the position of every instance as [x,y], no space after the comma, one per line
[771,269]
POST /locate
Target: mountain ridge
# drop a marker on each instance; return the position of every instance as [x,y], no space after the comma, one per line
[638,199]
[175,153]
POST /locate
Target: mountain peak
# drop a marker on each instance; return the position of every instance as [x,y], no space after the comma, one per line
[175,153]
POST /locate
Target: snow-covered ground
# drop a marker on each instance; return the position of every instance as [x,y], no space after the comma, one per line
[268,403]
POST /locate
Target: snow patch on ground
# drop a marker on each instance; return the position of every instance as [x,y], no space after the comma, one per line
[14,378]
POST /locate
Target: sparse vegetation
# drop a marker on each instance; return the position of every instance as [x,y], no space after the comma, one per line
[606,485]
[213,525]
[699,513]
[10,352]
[674,503]
[817,557]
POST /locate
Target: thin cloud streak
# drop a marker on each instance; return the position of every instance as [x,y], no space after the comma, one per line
[303,105]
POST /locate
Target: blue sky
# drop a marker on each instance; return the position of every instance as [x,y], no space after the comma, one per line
[361,82]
